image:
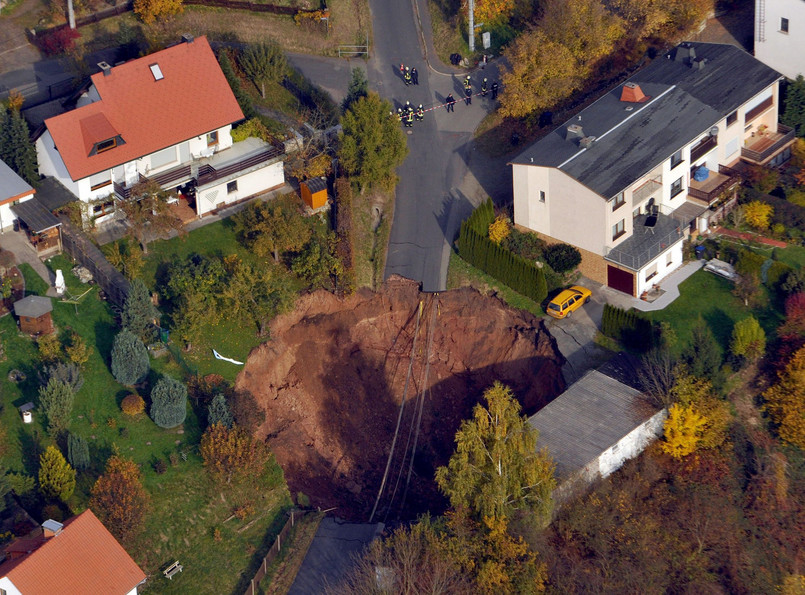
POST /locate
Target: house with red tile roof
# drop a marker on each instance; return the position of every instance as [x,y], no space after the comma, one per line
[165,117]
[79,556]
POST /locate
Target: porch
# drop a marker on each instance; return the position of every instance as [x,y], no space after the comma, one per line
[762,148]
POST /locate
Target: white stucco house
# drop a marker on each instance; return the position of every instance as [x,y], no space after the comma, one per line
[633,174]
[13,191]
[594,427]
[780,35]
[165,117]
[77,556]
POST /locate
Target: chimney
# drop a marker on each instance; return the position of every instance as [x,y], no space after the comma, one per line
[51,528]
[574,131]
[685,53]
[187,38]
[632,93]
[698,63]
[105,68]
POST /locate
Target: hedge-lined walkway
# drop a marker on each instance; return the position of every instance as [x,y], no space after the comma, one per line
[749,237]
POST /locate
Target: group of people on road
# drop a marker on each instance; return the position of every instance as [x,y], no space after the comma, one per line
[408,114]
[485,88]
[409,74]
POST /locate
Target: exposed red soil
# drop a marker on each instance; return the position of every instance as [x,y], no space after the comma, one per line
[334,374]
[748,236]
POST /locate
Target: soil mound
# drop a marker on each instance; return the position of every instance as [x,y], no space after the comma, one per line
[336,371]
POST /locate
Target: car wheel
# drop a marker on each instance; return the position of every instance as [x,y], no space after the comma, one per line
[569,314]
[587,301]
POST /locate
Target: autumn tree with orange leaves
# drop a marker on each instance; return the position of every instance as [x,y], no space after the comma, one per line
[230,453]
[119,498]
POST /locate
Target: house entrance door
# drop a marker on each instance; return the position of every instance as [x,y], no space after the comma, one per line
[620,280]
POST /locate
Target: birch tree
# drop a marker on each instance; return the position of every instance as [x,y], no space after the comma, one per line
[496,467]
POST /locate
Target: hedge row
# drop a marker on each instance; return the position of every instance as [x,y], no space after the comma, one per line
[475,247]
[629,327]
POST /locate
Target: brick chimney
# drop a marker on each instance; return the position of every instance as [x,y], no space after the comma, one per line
[632,93]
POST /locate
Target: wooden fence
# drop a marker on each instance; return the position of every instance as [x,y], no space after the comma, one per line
[274,551]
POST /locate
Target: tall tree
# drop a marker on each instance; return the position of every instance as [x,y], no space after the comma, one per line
[372,144]
[257,293]
[119,498]
[148,214]
[16,148]
[272,227]
[56,476]
[230,453]
[218,412]
[263,63]
[748,339]
[168,402]
[139,315]
[318,263]
[785,401]
[703,355]
[56,401]
[130,361]
[358,87]
[683,430]
[496,468]
[153,10]
[794,113]
[78,451]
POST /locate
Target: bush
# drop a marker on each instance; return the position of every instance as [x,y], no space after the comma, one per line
[527,245]
[748,339]
[78,451]
[562,257]
[56,401]
[776,273]
[132,404]
[160,466]
[130,363]
[758,214]
[749,263]
[67,372]
[60,41]
[499,229]
[168,402]
[77,350]
[628,327]
[218,412]
[49,347]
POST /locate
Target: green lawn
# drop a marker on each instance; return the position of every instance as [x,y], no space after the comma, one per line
[793,256]
[709,296]
[185,506]
[461,273]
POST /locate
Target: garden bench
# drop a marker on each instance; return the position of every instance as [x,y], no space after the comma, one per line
[172,569]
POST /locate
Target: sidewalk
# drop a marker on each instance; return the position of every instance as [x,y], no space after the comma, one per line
[670,286]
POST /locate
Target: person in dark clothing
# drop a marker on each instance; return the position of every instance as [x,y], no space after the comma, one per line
[450,102]
[495,88]
[407,76]
[484,88]
[420,113]
[409,119]
[415,76]
[467,91]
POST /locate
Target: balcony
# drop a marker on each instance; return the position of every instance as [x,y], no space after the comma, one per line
[209,172]
[704,147]
[710,190]
[646,190]
[647,243]
[763,147]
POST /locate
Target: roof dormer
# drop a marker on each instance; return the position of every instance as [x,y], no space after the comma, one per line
[99,134]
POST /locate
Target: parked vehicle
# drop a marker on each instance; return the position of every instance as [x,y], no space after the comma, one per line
[568,301]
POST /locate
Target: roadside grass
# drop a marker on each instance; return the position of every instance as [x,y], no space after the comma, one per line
[710,296]
[283,570]
[371,239]
[447,39]
[185,505]
[460,274]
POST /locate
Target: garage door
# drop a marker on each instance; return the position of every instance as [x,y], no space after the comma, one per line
[620,280]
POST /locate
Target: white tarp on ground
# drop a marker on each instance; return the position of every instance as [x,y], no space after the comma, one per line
[226,359]
[719,267]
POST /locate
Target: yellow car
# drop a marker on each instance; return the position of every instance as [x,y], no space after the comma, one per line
[564,304]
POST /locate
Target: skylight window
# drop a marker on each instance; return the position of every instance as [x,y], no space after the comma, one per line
[157,72]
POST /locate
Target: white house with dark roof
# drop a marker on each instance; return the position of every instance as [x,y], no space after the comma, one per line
[594,427]
[629,177]
[780,35]
[13,191]
[165,117]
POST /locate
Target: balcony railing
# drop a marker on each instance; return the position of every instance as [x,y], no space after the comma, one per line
[166,178]
[704,147]
[729,178]
[208,174]
[646,190]
[766,146]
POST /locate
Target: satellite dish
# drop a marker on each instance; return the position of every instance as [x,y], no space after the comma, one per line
[714,131]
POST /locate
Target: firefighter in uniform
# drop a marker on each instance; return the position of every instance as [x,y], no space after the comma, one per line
[484,88]
[467,91]
[420,113]
[407,76]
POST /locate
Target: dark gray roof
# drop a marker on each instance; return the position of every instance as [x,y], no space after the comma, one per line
[35,216]
[593,414]
[10,183]
[683,103]
[316,184]
[33,306]
[52,195]
[645,244]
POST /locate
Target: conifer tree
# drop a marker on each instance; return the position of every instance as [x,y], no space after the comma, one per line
[168,402]
[218,412]
[139,313]
[78,451]
[130,362]
[56,476]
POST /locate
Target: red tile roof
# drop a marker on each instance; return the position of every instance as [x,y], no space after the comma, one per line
[192,99]
[83,558]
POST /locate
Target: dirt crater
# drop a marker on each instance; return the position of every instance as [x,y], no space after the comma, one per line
[336,370]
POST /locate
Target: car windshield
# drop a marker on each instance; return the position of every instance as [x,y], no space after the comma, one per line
[553,306]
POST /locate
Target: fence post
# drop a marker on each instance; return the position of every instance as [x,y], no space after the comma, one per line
[278,544]
[292,518]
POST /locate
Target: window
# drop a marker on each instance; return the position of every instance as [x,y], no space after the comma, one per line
[618,202]
[676,158]
[212,138]
[636,213]
[542,196]
[784,25]
[732,118]
[670,259]
[163,157]
[651,272]
[232,187]
[759,109]
[99,180]
[618,229]
[157,72]
[105,145]
[676,187]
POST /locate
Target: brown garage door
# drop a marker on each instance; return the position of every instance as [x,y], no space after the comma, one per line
[620,280]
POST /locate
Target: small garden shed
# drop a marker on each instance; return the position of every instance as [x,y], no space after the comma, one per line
[314,192]
[34,314]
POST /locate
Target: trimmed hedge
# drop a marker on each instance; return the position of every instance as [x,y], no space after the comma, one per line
[475,247]
[628,327]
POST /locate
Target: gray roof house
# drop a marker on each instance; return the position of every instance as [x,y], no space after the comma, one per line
[593,427]
[13,190]
[631,175]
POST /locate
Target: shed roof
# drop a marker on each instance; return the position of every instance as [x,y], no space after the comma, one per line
[592,415]
[12,187]
[52,195]
[33,306]
[83,558]
[35,216]
[633,138]
[316,184]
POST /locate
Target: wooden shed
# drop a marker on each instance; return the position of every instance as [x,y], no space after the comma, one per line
[34,314]
[314,192]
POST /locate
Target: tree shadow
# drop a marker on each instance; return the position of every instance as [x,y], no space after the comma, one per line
[720,324]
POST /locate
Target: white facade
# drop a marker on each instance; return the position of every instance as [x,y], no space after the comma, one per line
[8,588]
[7,218]
[225,192]
[780,35]
[630,445]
